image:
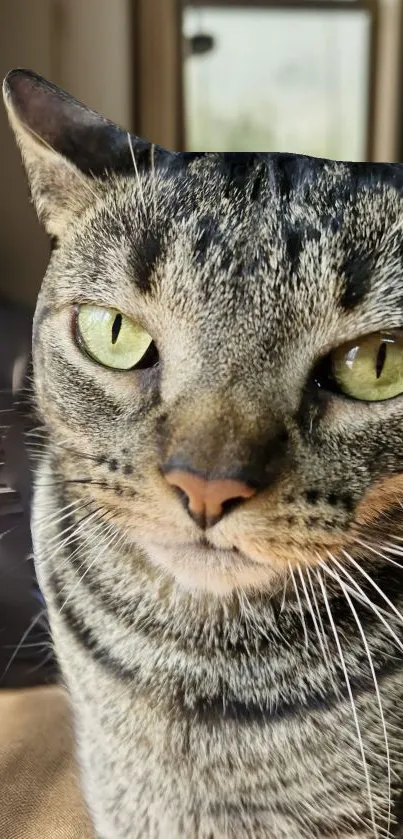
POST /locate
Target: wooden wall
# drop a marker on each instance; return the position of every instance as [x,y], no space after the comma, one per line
[87,47]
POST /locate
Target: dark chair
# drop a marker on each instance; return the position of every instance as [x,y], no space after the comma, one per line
[26,657]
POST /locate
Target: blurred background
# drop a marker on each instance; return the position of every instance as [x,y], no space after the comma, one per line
[320,77]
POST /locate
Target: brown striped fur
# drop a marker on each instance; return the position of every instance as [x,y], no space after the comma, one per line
[204,668]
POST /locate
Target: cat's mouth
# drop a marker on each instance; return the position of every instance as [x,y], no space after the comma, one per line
[204,566]
[215,564]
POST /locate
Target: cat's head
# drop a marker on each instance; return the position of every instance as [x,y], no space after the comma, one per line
[218,343]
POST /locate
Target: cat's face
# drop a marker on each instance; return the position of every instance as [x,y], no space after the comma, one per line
[246,272]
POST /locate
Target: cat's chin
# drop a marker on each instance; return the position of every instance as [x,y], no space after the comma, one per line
[206,568]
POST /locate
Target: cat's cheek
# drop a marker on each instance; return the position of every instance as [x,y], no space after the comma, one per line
[383,495]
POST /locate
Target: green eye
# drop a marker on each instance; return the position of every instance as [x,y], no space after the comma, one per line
[111,338]
[370,368]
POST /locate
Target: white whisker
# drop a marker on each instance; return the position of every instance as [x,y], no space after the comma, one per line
[19,646]
[322,633]
[75,527]
[129,140]
[283,599]
[42,663]
[88,569]
[378,696]
[310,607]
[95,531]
[297,594]
[389,547]
[54,519]
[351,697]
[89,533]
[362,597]
[374,585]
[7,532]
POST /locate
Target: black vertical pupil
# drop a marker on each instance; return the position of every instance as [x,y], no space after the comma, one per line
[117,323]
[380,359]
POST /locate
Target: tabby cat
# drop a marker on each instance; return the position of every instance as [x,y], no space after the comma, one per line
[217,523]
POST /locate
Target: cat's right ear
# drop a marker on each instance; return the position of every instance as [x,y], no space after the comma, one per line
[67,149]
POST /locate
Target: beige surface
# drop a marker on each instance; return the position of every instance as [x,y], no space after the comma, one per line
[39,794]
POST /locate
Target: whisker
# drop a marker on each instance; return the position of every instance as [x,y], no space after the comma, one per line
[88,569]
[310,607]
[42,663]
[390,548]
[374,585]
[54,482]
[98,529]
[374,549]
[25,646]
[129,140]
[29,629]
[47,521]
[283,599]
[7,532]
[72,532]
[351,697]
[378,696]
[322,633]
[88,536]
[364,599]
[297,594]
[75,525]
[253,623]
[79,455]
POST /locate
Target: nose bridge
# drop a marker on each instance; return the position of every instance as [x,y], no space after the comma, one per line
[214,435]
[204,429]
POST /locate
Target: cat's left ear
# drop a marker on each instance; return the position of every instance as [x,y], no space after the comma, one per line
[67,149]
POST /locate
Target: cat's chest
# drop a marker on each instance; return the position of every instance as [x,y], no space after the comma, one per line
[179,742]
[286,777]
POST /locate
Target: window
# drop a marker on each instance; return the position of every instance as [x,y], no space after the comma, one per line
[284,76]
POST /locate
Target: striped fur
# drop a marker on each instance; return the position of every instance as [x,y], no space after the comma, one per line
[236,683]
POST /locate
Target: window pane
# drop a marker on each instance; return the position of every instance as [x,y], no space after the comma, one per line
[278,81]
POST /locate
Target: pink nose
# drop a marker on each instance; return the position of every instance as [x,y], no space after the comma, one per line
[208,500]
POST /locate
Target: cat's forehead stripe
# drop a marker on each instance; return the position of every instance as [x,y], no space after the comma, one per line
[357,276]
[233,230]
[144,255]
